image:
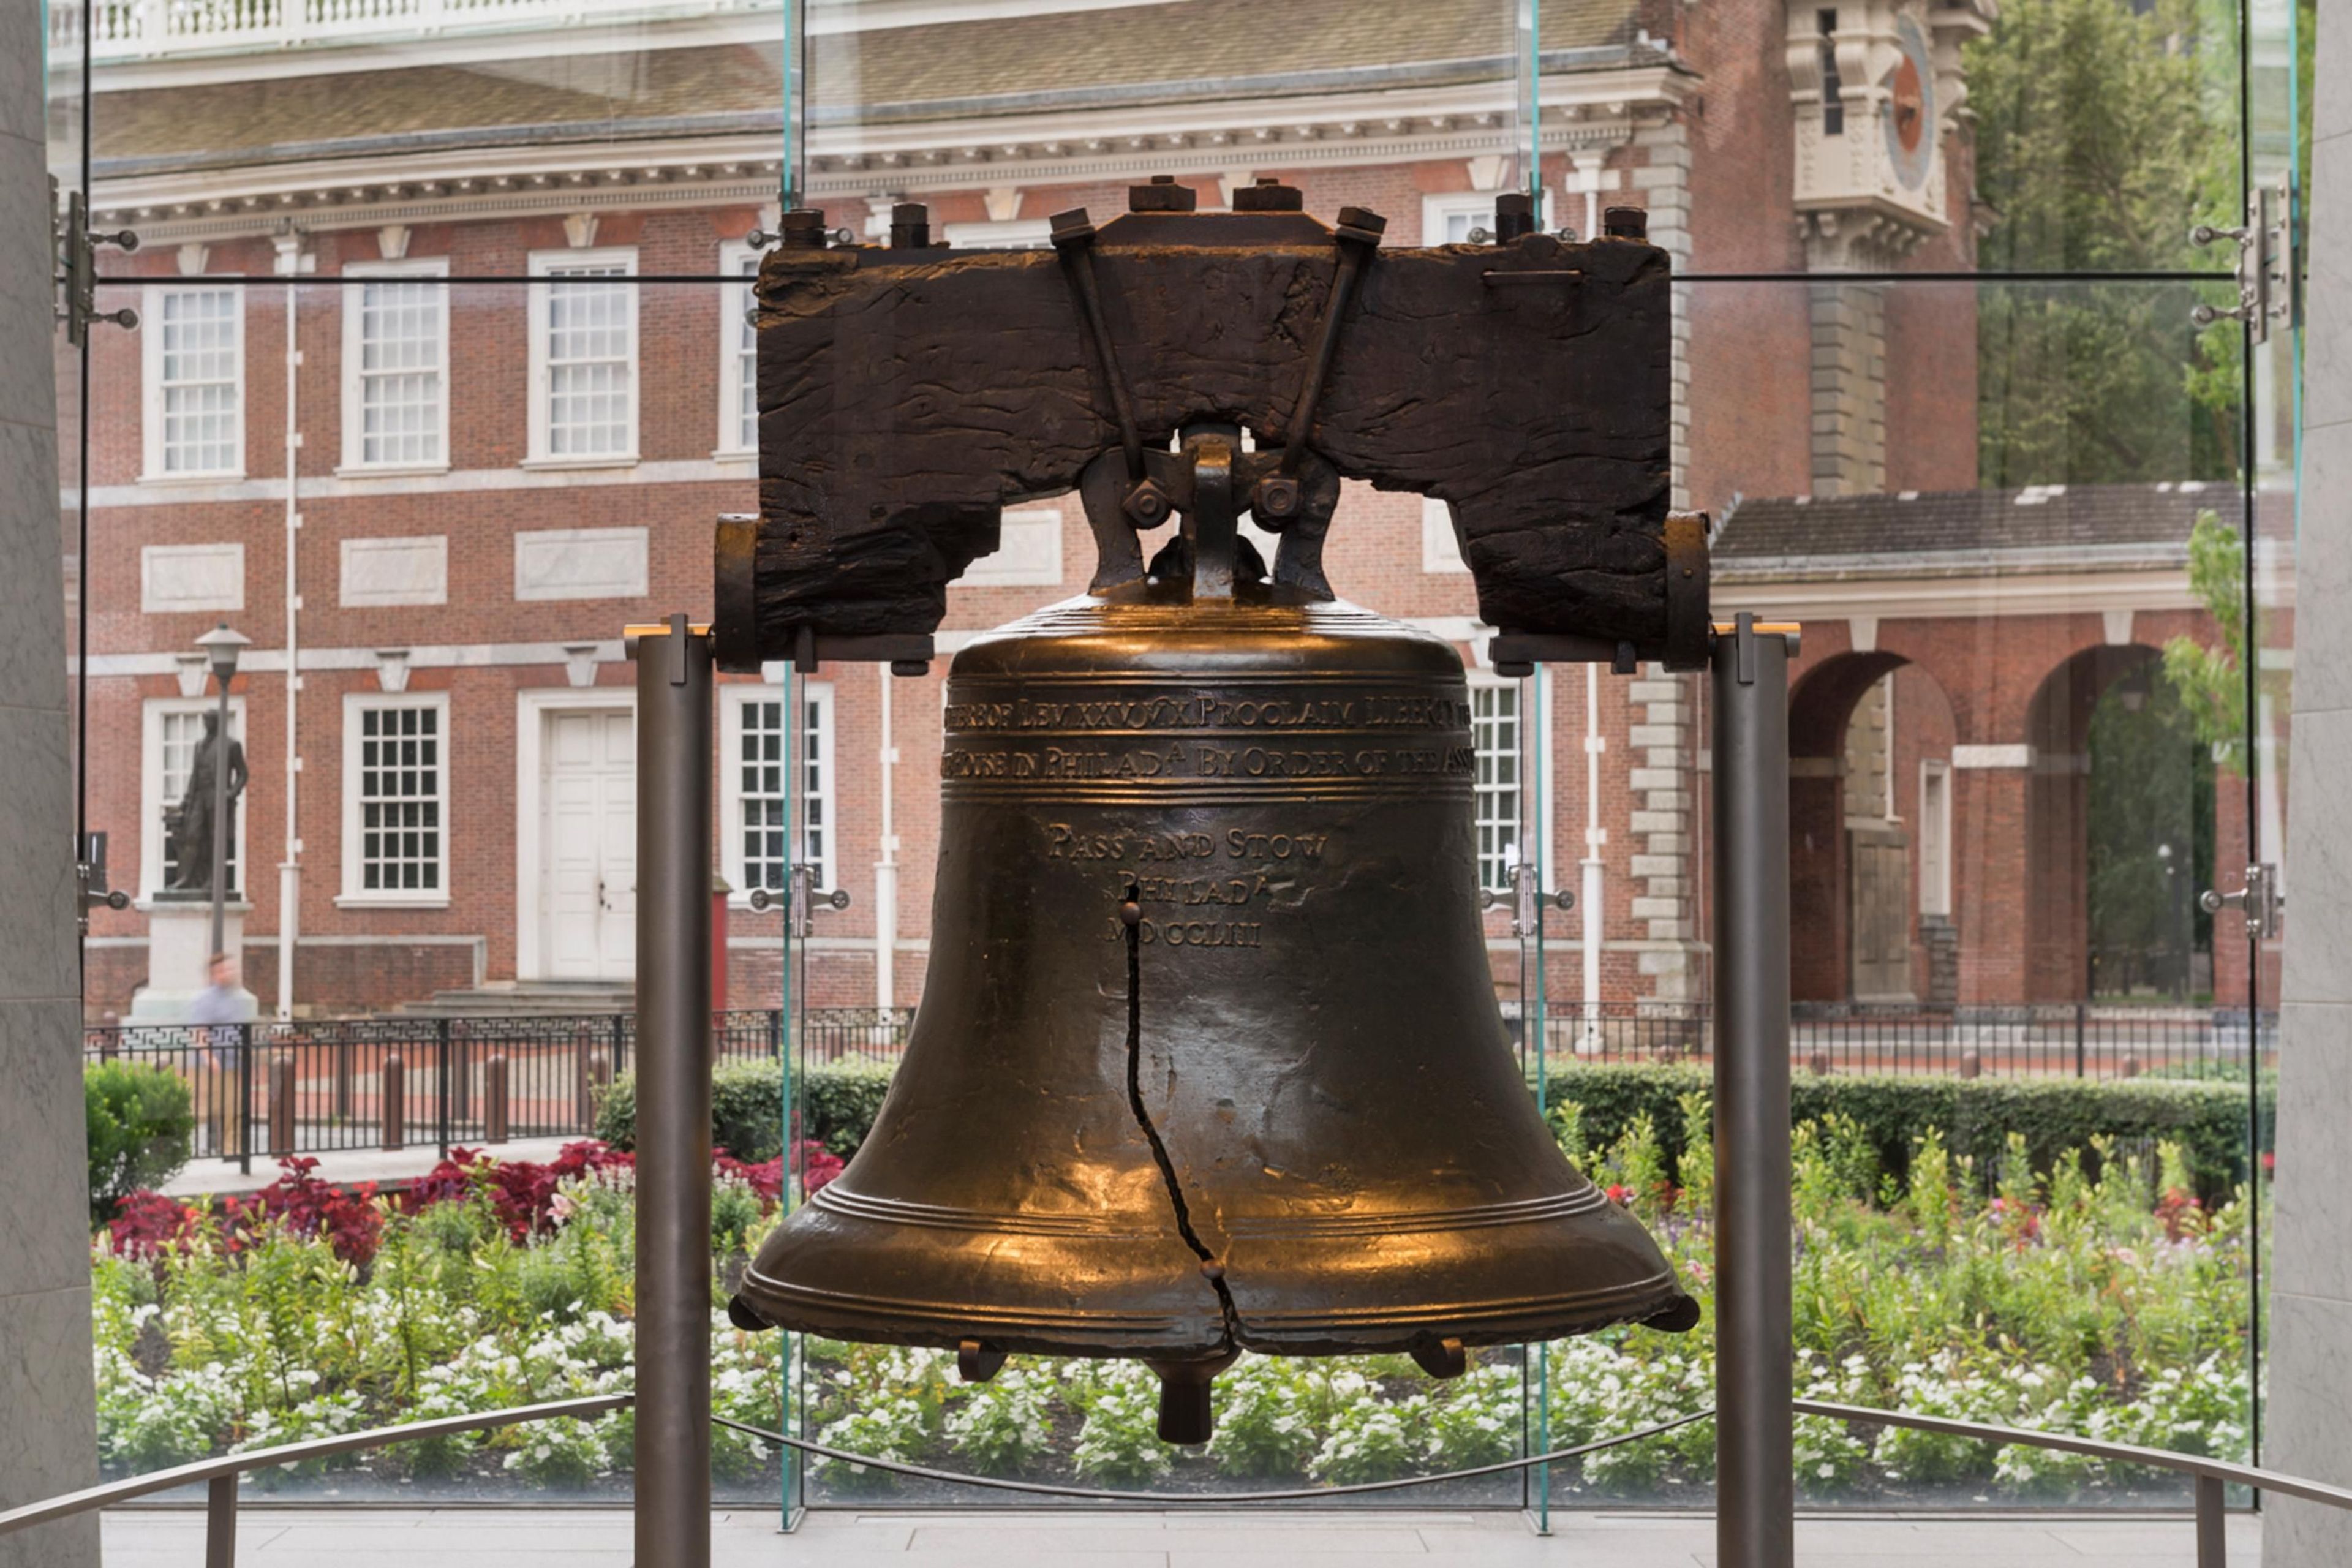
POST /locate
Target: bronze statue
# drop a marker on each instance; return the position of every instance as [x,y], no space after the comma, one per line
[193,844]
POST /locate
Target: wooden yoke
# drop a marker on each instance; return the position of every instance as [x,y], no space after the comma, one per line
[907,394]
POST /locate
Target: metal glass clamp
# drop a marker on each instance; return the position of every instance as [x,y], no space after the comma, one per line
[75,248]
[90,874]
[1527,899]
[2262,900]
[2268,272]
[802,899]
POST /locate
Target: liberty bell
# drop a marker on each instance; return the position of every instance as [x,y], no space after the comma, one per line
[1208,1058]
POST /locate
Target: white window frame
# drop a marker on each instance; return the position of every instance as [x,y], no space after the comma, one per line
[152,799]
[733,699]
[1441,552]
[1935,821]
[356,894]
[355,423]
[151,377]
[735,258]
[545,265]
[1014,234]
[1435,210]
[1478,682]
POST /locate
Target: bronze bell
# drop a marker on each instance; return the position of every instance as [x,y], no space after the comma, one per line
[1209,1057]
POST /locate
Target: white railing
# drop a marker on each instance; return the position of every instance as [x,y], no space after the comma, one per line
[122,30]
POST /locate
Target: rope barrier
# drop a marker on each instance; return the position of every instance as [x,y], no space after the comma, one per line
[1300,1494]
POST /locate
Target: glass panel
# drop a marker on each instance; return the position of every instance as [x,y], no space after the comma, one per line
[513,127]
[1985,501]
[1984,507]
[997,119]
[2251,668]
[458,788]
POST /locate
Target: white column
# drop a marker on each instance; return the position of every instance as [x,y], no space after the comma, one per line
[2309,1430]
[289,266]
[885,869]
[1591,889]
[48,1442]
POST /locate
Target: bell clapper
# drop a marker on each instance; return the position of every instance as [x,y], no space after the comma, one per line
[978,1362]
[1186,1414]
[1443,1359]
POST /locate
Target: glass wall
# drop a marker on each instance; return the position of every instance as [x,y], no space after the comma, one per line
[443,370]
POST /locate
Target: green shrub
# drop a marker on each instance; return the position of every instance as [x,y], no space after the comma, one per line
[1976,1116]
[141,1126]
[838,1104]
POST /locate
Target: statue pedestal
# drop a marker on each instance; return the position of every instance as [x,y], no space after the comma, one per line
[179,956]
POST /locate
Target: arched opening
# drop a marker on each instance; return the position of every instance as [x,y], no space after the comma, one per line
[1871,843]
[2120,818]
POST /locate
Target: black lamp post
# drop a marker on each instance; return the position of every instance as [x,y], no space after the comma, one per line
[222,647]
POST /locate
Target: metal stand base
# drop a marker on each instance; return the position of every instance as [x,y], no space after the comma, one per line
[1756,1493]
[672,1329]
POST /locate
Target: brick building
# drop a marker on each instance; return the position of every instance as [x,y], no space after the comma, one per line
[441,381]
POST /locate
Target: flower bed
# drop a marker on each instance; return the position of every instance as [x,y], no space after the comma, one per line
[2113,1305]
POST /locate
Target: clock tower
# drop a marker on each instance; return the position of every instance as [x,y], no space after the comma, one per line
[1875,85]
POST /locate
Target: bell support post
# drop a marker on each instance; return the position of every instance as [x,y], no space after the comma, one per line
[673,1280]
[1755,1497]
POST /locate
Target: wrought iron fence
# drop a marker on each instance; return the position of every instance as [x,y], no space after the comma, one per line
[318,1085]
[2077,1040]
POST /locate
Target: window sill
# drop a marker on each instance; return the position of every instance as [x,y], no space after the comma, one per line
[628,460]
[381,902]
[388,471]
[187,477]
[736,455]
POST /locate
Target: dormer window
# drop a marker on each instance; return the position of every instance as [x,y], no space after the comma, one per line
[1833,90]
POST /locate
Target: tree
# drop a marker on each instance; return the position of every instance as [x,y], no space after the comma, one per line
[2213,680]
[2104,136]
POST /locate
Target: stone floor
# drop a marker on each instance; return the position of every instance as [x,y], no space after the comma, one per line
[544,1538]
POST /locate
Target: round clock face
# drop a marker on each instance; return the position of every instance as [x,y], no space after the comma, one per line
[1910,115]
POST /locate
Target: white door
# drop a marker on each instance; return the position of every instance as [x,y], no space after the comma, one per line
[588,837]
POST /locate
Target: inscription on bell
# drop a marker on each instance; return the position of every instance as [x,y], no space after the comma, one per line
[1202,761]
[1065,842]
[1210,710]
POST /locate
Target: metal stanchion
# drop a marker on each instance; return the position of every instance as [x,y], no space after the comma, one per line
[1755,1520]
[673,1328]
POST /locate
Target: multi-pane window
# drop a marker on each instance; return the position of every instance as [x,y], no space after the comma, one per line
[178,733]
[197,374]
[398,800]
[1495,728]
[398,351]
[586,349]
[764,808]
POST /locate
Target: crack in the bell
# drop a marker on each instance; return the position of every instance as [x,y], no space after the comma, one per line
[1209,1267]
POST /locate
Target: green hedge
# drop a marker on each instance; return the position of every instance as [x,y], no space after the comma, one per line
[1975,1115]
[142,1129]
[839,1103]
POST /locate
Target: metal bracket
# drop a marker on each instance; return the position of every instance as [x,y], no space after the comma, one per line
[2269,281]
[801,901]
[2262,900]
[75,248]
